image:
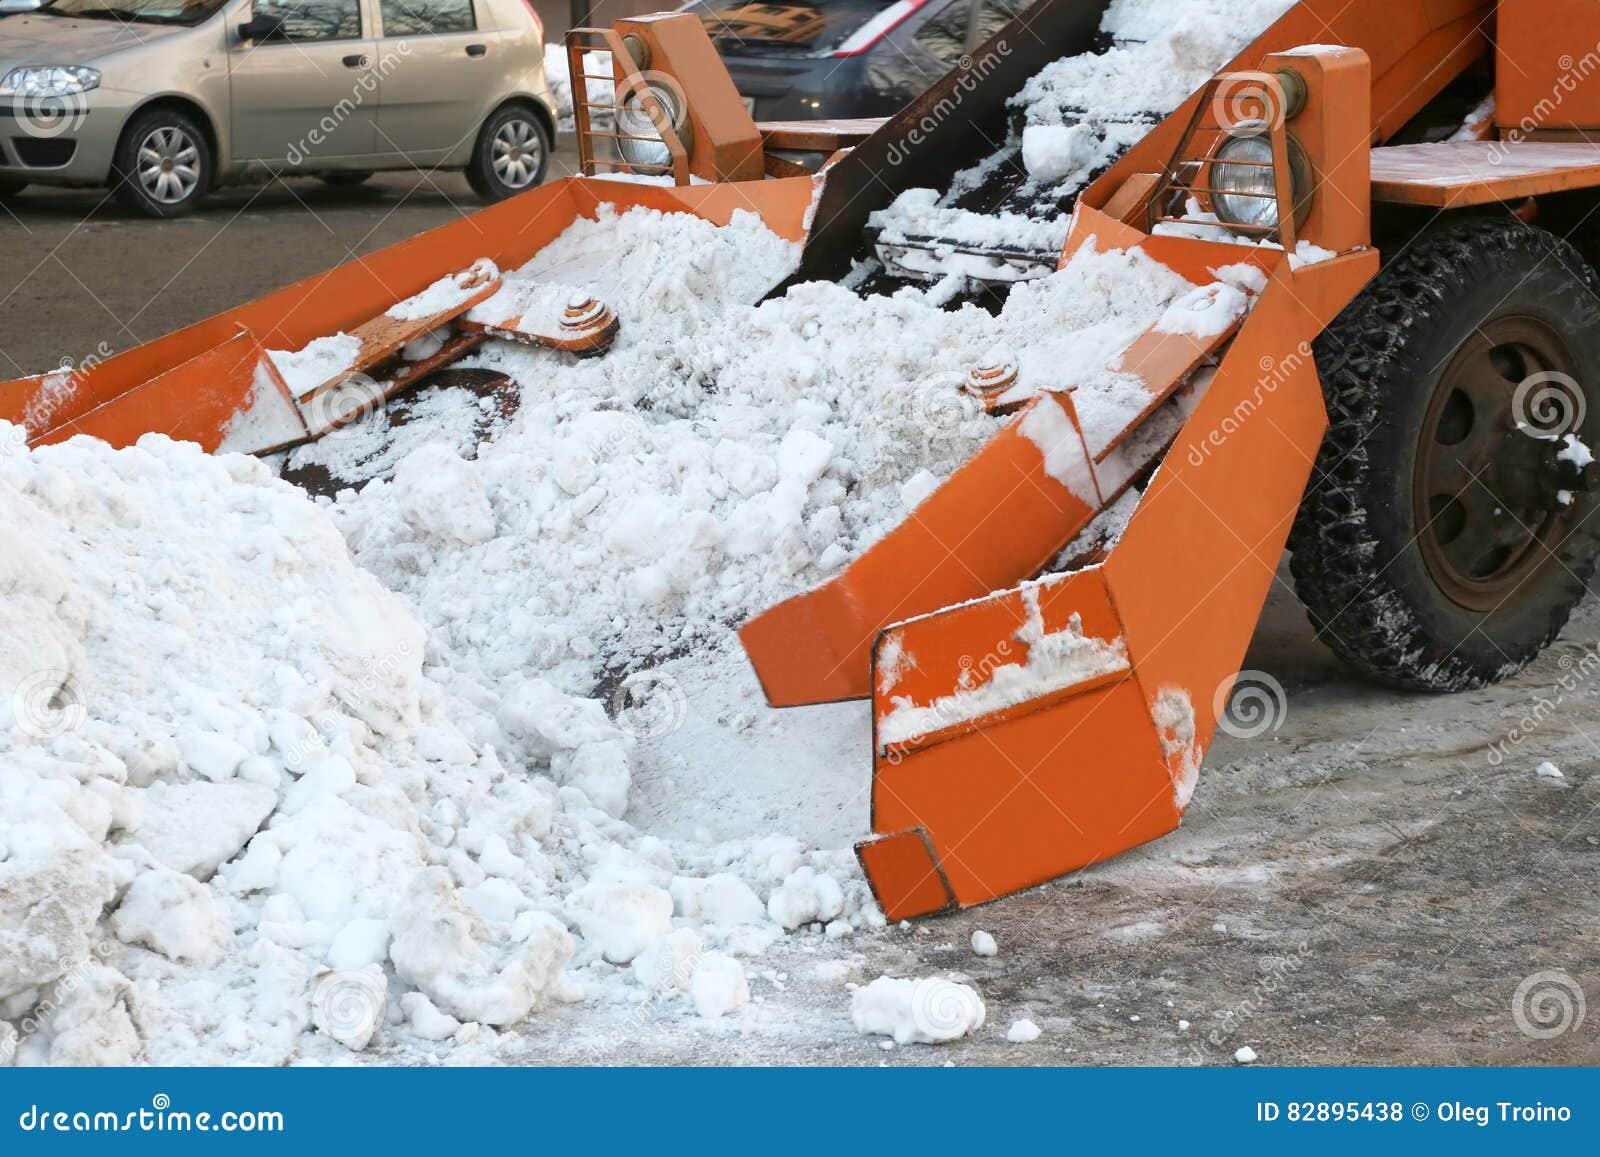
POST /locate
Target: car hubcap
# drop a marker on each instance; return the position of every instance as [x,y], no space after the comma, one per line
[517,151]
[169,165]
[1490,495]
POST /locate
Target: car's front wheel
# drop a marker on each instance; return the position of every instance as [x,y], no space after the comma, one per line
[511,154]
[162,166]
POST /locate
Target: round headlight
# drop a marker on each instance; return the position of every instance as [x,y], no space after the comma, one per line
[1243,181]
[640,118]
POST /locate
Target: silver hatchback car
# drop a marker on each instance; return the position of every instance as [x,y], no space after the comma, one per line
[162,100]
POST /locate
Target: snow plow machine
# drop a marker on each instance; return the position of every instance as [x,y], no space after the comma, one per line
[1386,210]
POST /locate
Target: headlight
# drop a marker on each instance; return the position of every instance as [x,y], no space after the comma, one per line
[1243,181]
[49,80]
[641,143]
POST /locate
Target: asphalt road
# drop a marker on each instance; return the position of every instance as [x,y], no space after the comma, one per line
[81,277]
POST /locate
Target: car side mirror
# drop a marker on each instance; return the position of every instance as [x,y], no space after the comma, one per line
[261,28]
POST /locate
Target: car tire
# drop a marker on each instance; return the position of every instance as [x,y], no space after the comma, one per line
[1426,551]
[348,179]
[9,189]
[162,165]
[503,162]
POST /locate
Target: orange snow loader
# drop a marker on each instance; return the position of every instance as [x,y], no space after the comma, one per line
[1402,191]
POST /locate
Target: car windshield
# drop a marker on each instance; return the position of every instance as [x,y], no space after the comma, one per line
[142,11]
[816,26]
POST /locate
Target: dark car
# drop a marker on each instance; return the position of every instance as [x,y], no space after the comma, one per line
[830,59]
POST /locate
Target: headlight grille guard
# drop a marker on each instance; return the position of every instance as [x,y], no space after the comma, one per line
[1230,104]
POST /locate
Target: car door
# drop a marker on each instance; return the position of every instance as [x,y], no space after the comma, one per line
[309,92]
[438,67]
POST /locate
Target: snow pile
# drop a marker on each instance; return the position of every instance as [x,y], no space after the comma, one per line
[235,810]
[644,502]
[558,75]
[927,1011]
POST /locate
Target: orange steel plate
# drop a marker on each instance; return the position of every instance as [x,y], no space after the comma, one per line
[1454,174]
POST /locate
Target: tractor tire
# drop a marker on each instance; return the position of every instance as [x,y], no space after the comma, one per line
[1442,543]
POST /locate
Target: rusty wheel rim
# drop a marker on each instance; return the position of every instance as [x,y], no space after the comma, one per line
[1483,492]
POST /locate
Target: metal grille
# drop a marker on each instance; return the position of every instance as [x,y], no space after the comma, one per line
[1233,104]
[601,131]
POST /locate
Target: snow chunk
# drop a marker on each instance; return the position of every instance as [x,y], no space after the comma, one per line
[927,1011]
[1022,1032]
[621,919]
[719,986]
[983,943]
[1244,1054]
[805,896]
[1548,770]
[174,914]
[1573,450]
[442,496]
[426,1020]
[669,963]
[305,369]
[448,952]
[448,292]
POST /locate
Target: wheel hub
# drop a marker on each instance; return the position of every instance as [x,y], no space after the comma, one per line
[1492,494]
